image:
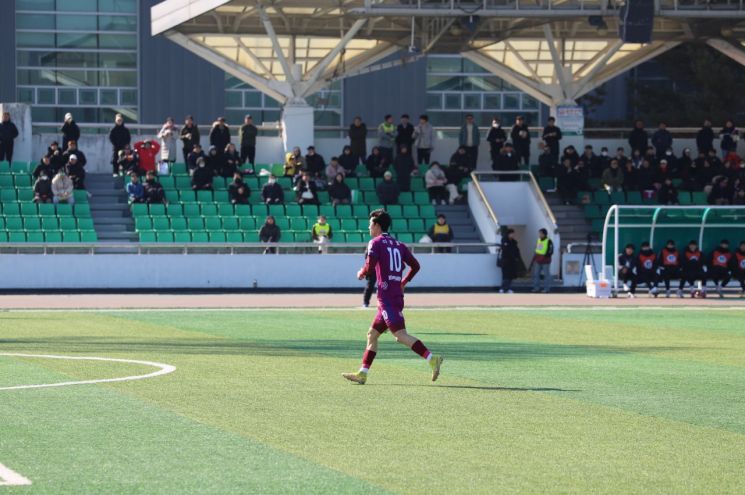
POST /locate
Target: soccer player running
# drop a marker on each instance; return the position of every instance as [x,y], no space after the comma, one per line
[388,258]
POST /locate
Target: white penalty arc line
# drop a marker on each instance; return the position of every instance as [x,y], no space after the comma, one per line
[8,477]
[163,369]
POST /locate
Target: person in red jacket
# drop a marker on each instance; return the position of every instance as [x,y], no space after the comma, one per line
[670,265]
[693,268]
[647,268]
[719,265]
[147,150]
[738,266]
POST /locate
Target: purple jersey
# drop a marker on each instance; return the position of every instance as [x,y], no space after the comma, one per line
[389,257]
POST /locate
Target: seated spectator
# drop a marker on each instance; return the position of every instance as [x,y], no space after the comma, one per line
[387,190]
[441,232]
[339,191]
[191,160]
[238,191]
[334,169]
[202,178]
[664,171]
[570,153]
[321,233]
[668,194]
[299,159]
[720,194]
[214,161]
[55,157]
[566,182]
[291,166]
[405,168]
[231,160]
[436,181]
[76,172]
[270,233]
[739,198]
[612,177]
[546,163]
[44,168]
[460,158]
[129,161]
[305,190]
[154,192]
[272,193]
[147,151]
[348,161]
[135,191]
[376,163]
[62,188]
[645,176]
[72,149]
[591,162]
[315,165]
[43,188]
[629,176]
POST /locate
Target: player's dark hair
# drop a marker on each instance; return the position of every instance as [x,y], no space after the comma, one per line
[693,243]
[543,231]
[382,218]
[629,245]
[645,244]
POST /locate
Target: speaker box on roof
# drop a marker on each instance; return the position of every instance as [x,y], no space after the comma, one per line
[636,21]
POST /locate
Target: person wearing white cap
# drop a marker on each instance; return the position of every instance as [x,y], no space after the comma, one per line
[70,131]
[76,172]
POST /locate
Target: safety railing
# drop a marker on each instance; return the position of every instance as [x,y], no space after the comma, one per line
[484,200]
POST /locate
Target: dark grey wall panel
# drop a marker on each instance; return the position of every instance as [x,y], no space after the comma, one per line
[175,82]
[396,90]
[7,50]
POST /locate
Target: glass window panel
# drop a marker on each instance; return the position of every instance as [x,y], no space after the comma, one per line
[34,39]
[270,102]
[448,119]
[444,64]
[492,101]
[530,103]
[108,97]
[118,60]
[88,97]
[34,21]
[26,95]
[334,100]
[76,22]
[43,114]
[327,118]
[34,4]
[82,40]
[444,83]
[67,97]
[271,116]
[45,96]
[126,6]
[129,97]
[77,5]
[77,78]
[434,100]
[512,101]
[237,116]
[452,102]
[472,101]
[118,41]
[28,77]
[117,23]
[233,99]
[252,99]
[470,67]
[119,78]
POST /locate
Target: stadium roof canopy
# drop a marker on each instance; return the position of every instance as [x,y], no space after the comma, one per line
[555,50]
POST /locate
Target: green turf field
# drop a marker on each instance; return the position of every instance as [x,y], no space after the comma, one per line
[530,401]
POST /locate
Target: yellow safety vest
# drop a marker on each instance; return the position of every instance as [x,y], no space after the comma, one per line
[322,230]
[541,247]
[441,229]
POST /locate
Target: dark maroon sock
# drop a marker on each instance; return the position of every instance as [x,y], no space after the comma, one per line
[367,358]
[420,349]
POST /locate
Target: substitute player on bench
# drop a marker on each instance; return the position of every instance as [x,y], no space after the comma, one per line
[388,258]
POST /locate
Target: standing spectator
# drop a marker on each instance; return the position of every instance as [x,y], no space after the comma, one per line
[729,135]
[348,161]
[8,133]
[404,134]
[424,137]
[219,134]
[230,161]
[333,170]
[55,157]
[387,137]
[167,136]
[693,269]
[72,149]
[189,137]
[339,191]
[62,188]
[238,191]
[202,178]
[404,166]
[191,159]
[521,140]
[376,163]
[509,260]
[387,190]
[270,233]
[541,262]
[43,189]
[662,140]
[546,163]
[496,139]
[638,138]
[135,191]
[507,161]
[705,138]
[647,268]
[441,232]
[315,165]
[147,151]
[321,234]
[592,163]
[44,168]
[469,138]
[627,268]
[154,192]
[738,267]
[552,137]
[436,181]
[76,172]
[119,137]
[247,139]
[70,131]
[670,266]
[358,139]
[612,178]
[305,190]
[272,193]
[719,266]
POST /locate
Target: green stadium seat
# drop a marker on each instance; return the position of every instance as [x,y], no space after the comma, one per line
[251,237]
[13,223]
[179,224]
[141,223]
[212,223]
[82,210]
[25,195]
[684,197]
[406,237]
[283,223]
[298,223]
[323,197]
[52,236]
[183,183]
[313,210]
[348,224]
[618,198]
[16,236]
[157,210]
[634,198]
[234,237]
[360,211]
[182,237]
[174,209]
[344,211]
[601,197]
[8,195]
[699,198]
[277,210]
[70,236]
[148,236]
[421,198]
[23,181]
[47,209]
[427,211]
[230,223]
[354,237]
[85,224]
[29,209]
[3,236]
[88,236]
[366,184]
[187,196]
[19,167]
[160,223]
[195,223]
[204,197]
[406,198]
[37,237]
[139,210]
[172,196]
[208,210]
[6,181]
[260,210]
[417,185]
[410,211]
[64,210]
[49,223]
[218,183]
[416,225]
[293,210]
[242,210]
[191,210]
[200,236]
[222,197]
[32,224]
[303,236]
[178,168]
[11,209]
[165,236]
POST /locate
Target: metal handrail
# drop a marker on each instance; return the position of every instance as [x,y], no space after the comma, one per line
[489,209]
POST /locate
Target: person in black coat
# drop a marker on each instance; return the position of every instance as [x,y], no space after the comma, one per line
[705,138]
[638,138]
[567,182]
[376,163]
[508,161]
[339,191]
[154,192]
[119,137]
[405,134]
[349,161]
[270,233]
[55,157]
[404,166]
[8,133]
[72,149]
[496,139]
[191,160]
[662,140]
[546,162]
[272,193]
[315,165]
[509,260]
[43,189]
[76,171]
[521,140]
[238,191]
[214,160]
[189,136]
[201,180]
[305,190]
[387,190]
[70,131]
[230,161]
[552,137]
[220,135]
[358,139]
[44,168]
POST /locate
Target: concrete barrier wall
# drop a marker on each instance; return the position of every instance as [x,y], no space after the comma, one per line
[209,271]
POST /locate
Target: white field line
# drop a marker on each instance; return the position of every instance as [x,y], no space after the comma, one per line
[163,369]
[8,477]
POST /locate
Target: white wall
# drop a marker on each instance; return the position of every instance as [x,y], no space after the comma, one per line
[209,271]
[479,213]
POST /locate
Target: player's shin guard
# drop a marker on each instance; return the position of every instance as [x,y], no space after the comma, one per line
[421,349]
[367,360]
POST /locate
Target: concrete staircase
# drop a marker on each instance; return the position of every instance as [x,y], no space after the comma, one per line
[109,209]
[573,226]
[459,218]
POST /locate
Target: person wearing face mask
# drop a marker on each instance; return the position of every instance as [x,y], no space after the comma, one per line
[496,139]
[670,266]
[508,161]
[604,159]
[119,137]
[738,267]
[270,233]
[647,268]
[272,193]
[668,194]
[191,160]
[705,138]
[552,138]
[56,160]
[693,268]
[570,153]
[202,178]
[720,262]
[154,193]
[627,270]
[662,140]
[43,189]
[230,161]
[376,163]
[238,191]
[72,149]
[213,161]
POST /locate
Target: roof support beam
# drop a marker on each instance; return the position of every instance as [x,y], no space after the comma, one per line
[579,85]
[733,51]
[277,49]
